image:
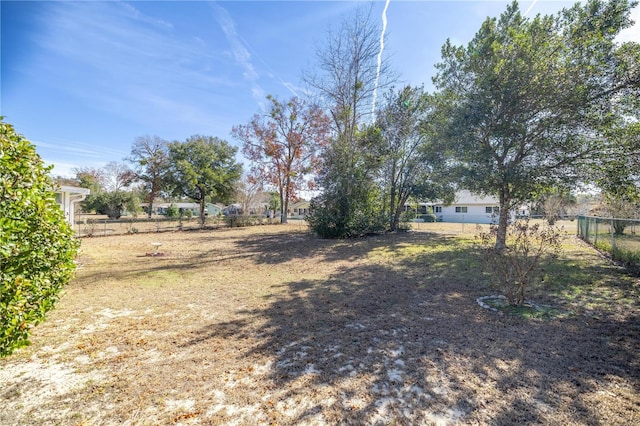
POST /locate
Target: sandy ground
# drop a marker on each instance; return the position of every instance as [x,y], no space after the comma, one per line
[269,325]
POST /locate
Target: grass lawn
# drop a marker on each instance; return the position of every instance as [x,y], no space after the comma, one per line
[269,325]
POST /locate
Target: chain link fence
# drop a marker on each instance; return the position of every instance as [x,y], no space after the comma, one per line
[99,227]
[619,237]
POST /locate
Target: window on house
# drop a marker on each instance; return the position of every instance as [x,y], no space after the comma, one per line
[461,209]
[437,209]
[491,210]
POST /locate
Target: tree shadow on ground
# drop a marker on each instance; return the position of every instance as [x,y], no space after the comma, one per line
[404,341]
[266,248]
[282,248]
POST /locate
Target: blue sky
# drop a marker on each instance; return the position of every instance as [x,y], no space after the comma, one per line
[83,79]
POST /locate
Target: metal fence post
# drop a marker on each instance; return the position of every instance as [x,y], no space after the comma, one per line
[612,231]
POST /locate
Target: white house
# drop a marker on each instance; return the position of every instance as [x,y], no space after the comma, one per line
[67,197]
[161,208]
[300,210]
[469,208]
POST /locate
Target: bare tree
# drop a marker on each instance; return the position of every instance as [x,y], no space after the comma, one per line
[346,75]
[248,190]
[118,176]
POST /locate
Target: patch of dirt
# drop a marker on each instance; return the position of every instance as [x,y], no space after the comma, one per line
[269,325]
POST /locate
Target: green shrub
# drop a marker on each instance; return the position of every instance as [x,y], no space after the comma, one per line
[37,245]
[408,215]
[330,222]
[113,204]
[172,211]
[429,217]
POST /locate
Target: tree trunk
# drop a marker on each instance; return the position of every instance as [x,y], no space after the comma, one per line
[202,212]
[503,221]
[392,207]
[284,204]
[150,208]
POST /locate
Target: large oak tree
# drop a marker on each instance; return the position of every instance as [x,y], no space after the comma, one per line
[203,167]
[528,101]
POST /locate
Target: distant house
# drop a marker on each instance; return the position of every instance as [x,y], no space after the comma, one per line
[213,209]
[299,210]
[67,197]
[470,208]
[233,210]
[466,208]
[184,208]
[254,209]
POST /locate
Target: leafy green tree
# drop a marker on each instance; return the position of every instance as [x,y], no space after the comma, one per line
[37,245]
[113,204]
[91,178]
[528,101]
[619,176]
[351,203]
[203,167]
[412,164]
[274,203]
[151,158]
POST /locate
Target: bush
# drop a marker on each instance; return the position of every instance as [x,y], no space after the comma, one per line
[518,267]
[430,217]
[113,204]
[241,221]
[408,215]
[330,222]
[37,245]
[172,211]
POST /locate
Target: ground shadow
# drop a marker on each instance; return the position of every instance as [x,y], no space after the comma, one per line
[405,341]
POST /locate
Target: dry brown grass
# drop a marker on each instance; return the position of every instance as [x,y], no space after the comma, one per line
[269,325]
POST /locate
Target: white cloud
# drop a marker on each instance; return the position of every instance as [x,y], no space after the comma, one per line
[239,51]
[128,63]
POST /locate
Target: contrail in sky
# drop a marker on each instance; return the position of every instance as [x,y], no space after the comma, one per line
[384,29]
[530,7]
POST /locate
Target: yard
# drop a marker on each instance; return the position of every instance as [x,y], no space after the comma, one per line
[269,325]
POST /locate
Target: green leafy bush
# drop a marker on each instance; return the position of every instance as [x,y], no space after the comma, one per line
[113,204]
[332,220]
[172,211]
[429,217]
[37,245]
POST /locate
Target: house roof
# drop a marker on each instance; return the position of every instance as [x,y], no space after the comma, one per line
[73,190]
[301,203]
[466,197]
[178,205]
